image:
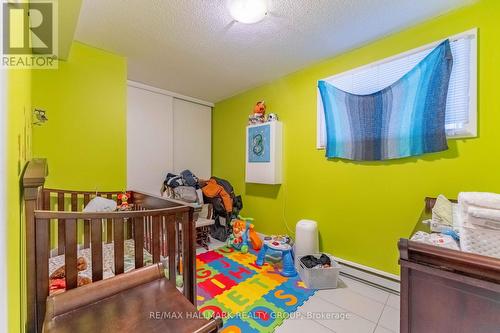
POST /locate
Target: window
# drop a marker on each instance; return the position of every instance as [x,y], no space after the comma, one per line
[461,107]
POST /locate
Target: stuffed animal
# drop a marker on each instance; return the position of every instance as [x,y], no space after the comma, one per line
[244,233]
[272,117]
[260,109]
[57,280]
[259,114]
[123,201]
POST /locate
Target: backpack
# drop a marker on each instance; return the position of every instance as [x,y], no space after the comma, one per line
[217,230]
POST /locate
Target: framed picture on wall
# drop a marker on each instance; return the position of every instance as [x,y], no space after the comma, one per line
[259,144]
[264,153]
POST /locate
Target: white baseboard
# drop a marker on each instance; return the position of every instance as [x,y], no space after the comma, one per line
[369,274]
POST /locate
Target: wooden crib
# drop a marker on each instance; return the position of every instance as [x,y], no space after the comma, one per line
[154,224]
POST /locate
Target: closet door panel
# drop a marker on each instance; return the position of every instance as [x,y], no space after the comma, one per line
[192,138]
[149,139]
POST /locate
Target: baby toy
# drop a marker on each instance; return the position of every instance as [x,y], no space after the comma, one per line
[280,244]
[259,114]
[272,117]
[123,199]
[57,280]
[243,233]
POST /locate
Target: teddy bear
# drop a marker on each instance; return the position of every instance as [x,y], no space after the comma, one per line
[57,279]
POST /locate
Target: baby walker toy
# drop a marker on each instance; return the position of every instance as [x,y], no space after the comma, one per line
[279,244]
[243,233]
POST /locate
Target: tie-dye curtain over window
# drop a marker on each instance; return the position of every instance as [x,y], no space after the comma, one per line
[404,119]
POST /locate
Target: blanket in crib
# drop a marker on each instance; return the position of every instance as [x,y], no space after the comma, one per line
[405,119]
[107,258]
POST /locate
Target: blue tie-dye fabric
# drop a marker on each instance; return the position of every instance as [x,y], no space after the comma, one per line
[404,119]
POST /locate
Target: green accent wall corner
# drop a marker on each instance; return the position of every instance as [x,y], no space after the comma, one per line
[84,140]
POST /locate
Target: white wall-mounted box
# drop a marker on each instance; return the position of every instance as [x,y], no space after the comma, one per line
[264,153]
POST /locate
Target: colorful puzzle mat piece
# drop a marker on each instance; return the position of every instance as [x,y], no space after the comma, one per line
[247,297]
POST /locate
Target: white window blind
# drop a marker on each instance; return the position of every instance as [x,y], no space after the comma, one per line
[461,105]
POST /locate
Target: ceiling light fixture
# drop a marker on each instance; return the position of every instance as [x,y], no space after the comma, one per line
[248,11]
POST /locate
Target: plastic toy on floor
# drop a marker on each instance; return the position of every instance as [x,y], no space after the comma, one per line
[283,245]
[244,233]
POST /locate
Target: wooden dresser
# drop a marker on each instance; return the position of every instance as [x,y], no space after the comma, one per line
[444,290]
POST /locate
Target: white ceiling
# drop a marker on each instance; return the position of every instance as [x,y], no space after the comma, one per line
[193,47]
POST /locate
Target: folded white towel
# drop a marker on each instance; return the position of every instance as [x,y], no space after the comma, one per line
[480,199]
[485,213]
[99,204]
[484,217]
[472,202]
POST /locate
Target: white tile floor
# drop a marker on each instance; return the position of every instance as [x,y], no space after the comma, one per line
[366,309]
[369,310]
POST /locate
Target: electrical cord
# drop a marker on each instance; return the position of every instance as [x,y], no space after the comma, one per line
[284,210]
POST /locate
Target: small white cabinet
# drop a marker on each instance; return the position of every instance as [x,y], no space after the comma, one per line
[264,152]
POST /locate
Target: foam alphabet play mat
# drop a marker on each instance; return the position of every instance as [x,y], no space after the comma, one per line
[247,297]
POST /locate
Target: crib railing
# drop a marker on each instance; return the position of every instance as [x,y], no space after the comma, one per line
[52,227]
[168,216]
[75,201]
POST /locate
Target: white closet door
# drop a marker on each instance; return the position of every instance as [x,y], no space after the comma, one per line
[149,139]
[192,138]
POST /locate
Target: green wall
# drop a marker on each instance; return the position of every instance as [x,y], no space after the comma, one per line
[362,208]
[84,140]
[18,153]
[85,137]
[19,137]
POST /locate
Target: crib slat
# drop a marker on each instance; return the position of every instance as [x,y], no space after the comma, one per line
[74,202]
[86,199]
[130,228]
[109,225]
[86,224]
[60,224]
[42,266]
[118,242]
[150,234]
[188,255]
[162,237]
[171,247]
[96,241]
[155,232]
[139,241]
[46,200]
[70,254]
[146,234]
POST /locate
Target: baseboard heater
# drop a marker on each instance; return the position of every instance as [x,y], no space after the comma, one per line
[377,278]
[372,276]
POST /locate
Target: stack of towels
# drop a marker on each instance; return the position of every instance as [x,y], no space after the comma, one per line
[479,209]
